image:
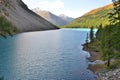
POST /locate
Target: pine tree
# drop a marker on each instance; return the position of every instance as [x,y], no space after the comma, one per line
[105,38]
[99,32]
[91,34]
[115,14]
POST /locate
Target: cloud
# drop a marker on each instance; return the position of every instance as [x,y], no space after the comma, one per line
[45,4]
[57,4]
[75,13]
[57,7]
[51,5]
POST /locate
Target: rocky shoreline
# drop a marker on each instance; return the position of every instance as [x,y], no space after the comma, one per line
[109,75]
[96,67]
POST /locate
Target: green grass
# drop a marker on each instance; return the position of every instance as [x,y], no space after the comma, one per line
[6,27]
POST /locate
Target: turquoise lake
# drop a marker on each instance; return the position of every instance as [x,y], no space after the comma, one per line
[45,55]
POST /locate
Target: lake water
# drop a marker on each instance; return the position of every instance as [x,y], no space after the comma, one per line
[46,55]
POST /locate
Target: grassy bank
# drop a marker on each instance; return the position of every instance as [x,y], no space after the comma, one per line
[6,27]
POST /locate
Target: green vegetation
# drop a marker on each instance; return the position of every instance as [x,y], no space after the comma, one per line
[5,2]
[115,14]
[92,19]
[91,34]
[107,40]
[6,28]
[107,44]
[97,68]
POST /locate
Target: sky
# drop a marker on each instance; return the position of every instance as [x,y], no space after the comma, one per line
[71,8]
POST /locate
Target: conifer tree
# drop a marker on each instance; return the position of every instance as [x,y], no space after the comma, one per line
[115,14]
[91,34]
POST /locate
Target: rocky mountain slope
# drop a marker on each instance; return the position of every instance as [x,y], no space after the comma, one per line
[22,18]
[93,18]
[57,20]
[66,18]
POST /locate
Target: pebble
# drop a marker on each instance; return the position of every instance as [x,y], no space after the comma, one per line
[109,75]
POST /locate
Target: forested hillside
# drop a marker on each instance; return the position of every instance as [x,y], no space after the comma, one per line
[107,40]
[93,18]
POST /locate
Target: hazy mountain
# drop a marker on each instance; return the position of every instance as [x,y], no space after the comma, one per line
[57,20]
[93,18]
[22,18]
[66,18]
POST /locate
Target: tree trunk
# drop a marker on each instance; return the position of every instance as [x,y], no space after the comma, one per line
[108,63]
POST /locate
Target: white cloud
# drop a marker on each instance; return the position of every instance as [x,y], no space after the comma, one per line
[57,7]
[57,4]
[75,13]
[47,5]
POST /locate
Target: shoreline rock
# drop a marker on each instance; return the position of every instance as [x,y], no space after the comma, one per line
[109,75]
[95,66]
[93,55]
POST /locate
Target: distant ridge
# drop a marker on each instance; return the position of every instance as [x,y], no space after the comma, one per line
[57,20]
[93,18]
[110,6]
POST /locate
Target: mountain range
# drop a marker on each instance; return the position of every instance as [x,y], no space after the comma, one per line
[60,20]
[18,14]
[94,18]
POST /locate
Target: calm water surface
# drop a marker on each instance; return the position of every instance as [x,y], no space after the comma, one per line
[48,55]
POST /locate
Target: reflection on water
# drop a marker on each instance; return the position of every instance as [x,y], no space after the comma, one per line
[49,55]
